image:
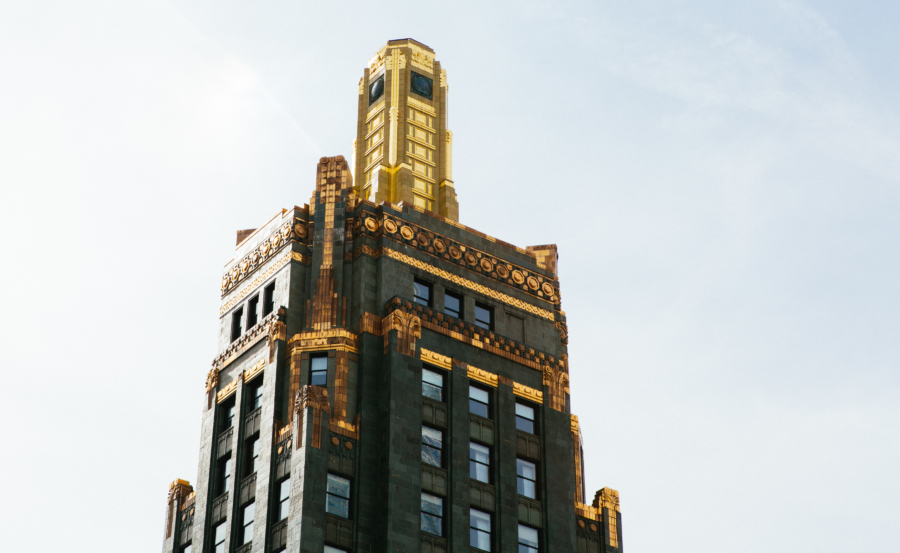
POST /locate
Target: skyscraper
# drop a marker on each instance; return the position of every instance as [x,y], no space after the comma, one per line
[387,378]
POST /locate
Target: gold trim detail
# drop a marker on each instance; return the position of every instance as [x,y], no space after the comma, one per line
[243,292]
[436,359]
[254,370]
[408,327]
[509,300]
[481,375]
[337,339]
[531,394]
[297,256]
[573,419]
[226,392]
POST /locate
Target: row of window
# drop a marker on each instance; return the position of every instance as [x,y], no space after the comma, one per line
[238,325]
[479,400]
[453,306]
[480,526]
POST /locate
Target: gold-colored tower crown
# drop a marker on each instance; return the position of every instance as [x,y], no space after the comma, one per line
[402,151]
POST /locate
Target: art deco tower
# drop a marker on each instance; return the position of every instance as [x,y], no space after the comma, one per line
[388,379]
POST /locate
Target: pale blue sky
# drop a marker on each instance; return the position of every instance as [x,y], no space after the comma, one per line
[722,179]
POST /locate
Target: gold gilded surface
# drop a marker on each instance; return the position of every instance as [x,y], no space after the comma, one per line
[254,370]
[242,293]
[481,375]
[531,394]
[436,359]
[509,300]
[227,391]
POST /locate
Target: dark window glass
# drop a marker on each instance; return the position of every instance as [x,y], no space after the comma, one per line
[252,311]
[528,539]
[227,416]
[479,530]
[318,368]
[432,385]
[432,444]
[432,514]
[453,305]
[223,472]
[236,324]
[269,299]
[256,396]
[525,418]
[337,496]
[484,316]
[479,462]
[284,499]
[247,519]
[219,538]
[515,327]
[252,458]
[526,476]
[479,400]
[422,292]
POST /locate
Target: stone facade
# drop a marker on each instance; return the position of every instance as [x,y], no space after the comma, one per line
[318,386]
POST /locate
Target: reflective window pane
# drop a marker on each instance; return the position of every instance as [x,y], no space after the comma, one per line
[337,506]
[479,395]
[338,486]
[432,437]
[479,461]
[452,305]
[432,377]
[329,549]
[432,385]
[431,456]
[528,539]
[524,411]
[422,293]
[432,524]
[432,504]
[479,530]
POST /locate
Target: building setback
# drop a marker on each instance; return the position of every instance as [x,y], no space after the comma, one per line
[389,379]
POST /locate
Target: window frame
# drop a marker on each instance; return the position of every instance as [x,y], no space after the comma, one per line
[428,286]
[224,469]
[251,456]
[528,547]
[522,478]
[490,311]
[440,389]
[338,498]
[458,297]
[475,463]
[247,525]
[440,450]
[236,316]
[489,532]
[487,406]
[215,533]
[283,502]
[532,421]
[313,372]
[423,514]
[252,312]
[268,299]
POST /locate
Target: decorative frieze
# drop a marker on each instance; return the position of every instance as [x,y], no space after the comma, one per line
[267,249]
[408,328]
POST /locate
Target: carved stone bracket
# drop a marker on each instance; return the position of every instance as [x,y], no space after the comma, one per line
[316,398]
[178,491]
[558,382]
[408,327]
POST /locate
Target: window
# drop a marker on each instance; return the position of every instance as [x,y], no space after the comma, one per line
[253,311]
[524,418]
[329,549]
[526,476]
[484,316]
[227,416]
[453,305]
[337,496]
[256,392]
[432,444]
[187,548]
[479,530]
[528,539]
[247,521]
[318,371]
[223,471]
[252,456]
[284,498]
[479,401]
[515,327]
[422,292]
[432,514]
[219,538]
[236,324]
[269,299]
[479,462]
[432,385]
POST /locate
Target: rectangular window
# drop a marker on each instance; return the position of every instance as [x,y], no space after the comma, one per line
[219,538]
[337,496]
[432,444]
[318,371]
[247,521]
[432,514]
[236,324]
[227,411]
[329,549]
[269,299]
[251,461]
[526,477]
[223,472]
[189,548]
[484,316]
[479,530]
[252,312]
[256,392]
[432,385]
[479,401]
[284,498]
[453,305]
[422,292]
[515,327]
[524,418]
[479,462]
[528,539]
